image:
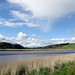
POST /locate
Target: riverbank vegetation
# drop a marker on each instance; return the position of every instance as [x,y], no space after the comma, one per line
[59,65]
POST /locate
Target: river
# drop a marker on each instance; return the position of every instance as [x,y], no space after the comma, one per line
[7,56]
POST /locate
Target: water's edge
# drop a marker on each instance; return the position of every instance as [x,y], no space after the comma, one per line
[8,56]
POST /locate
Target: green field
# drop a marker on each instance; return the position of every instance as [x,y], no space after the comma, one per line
[60,46]
[69,46]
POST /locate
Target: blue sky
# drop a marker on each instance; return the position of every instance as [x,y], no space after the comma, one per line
[38,20]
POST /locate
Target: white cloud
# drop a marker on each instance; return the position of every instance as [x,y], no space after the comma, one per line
[46,8]
[26,41]
[21,16]
[31,24]
[24,17]
[15,24]
[49,9]
[0,22]
[14,19]
[35,36]
[22,36]
[2,37]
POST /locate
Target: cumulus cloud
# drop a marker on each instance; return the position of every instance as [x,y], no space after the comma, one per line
[50,9]
[22,36]
[26,41]
[35,36]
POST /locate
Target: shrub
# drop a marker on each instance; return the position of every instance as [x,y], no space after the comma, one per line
[33,72]
[44,71]
[21,71]
[61,72]
[71,70]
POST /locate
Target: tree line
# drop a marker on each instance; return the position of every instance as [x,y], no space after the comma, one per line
[4,45]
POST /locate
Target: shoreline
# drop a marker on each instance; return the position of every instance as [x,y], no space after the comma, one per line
[6,56]
[36,50]
[32,49]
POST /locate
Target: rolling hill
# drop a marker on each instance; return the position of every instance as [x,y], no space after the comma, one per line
[59,46]
[5,45]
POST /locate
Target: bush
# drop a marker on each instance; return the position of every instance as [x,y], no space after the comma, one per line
[44,71]
[61,72]
[33,72]
[66,71]
[21,71]
[71,70]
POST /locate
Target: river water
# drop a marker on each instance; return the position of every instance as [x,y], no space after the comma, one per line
[8,56]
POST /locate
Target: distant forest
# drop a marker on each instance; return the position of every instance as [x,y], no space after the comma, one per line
[4,45]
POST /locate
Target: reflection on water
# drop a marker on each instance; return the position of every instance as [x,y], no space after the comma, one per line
[5,59]
[12,56]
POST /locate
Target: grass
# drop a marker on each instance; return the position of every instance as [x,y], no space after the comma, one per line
[59,65]
[59,69]
[66,71]
[21,70]
[60,46]
[69,46]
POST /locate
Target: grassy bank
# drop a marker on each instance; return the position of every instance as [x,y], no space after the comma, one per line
[59,65]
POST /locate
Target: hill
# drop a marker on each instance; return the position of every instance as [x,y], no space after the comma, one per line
[4,45]
[69,46]
[59,46]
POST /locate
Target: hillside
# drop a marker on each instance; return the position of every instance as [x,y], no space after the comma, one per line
[4,45]
[59,46]
[69,46]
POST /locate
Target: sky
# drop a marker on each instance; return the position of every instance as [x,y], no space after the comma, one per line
[34,23]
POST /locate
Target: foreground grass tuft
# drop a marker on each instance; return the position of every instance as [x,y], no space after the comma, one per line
[21,70]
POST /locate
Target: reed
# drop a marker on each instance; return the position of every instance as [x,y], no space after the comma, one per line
[30,65]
